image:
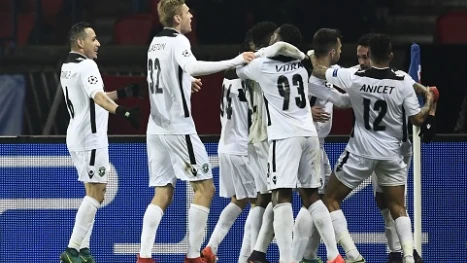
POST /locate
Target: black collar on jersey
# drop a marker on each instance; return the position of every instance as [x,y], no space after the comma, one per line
[283,58]
[74,57]
[168,32]
[379,73]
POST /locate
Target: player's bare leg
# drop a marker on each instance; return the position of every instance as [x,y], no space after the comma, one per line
[336,192]
[395,250]
[266,232]
[395,200]
[283,222]
[322,220]
[78,245]
[152,217]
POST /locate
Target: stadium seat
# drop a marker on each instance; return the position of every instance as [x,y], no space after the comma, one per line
[450,28]
[134,29]
[24,27]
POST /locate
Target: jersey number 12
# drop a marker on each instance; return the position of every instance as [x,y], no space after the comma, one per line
[382,107]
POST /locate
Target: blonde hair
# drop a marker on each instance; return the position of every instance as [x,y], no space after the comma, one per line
[167,9]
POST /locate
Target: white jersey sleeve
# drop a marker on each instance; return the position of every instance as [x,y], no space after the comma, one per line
[182,52]
[341,100]
[340,77]
[411,105]
[91,78]
[251,70]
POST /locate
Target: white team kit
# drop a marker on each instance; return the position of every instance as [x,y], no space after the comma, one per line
[381,100]
[258,145]
[236,175]
[294,153]
[87,131]
[318,92]
[174,148]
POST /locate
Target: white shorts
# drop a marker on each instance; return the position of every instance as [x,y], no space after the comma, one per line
[236,177]
[176,156]
[258,158]
[374,181]
[294,163]
[325,171]
[93,166]
[352,170]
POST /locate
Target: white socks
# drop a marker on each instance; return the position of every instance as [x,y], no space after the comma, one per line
[301,233]
[324,225]
[283,227]
[197,219]
[266,233]
[394,244]
[256,214]
[87,237]
[83,222]
[313,243]
[343,236]
[151,220]
[225,222]
[404,231]
[246,249]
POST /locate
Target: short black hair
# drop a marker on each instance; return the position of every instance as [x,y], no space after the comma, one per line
[380,48]
[290,34]
[324,40]
[259,34]
[77,31]
[365,39]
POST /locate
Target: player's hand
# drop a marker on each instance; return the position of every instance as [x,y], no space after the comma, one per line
[319,115]
[196,85]
[248,56]
[427,130]
[133,115]
[130,91]
[435,92]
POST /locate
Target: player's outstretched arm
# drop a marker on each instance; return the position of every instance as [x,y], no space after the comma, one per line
[130,91]
[132,115]
[281,48]
[200,68]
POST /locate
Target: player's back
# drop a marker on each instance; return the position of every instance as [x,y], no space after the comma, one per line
[378,98]
[257,112]
[234,118]
[169,85]
[284,82]
[80,80]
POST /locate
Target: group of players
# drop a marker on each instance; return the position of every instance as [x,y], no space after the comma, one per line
[276,110]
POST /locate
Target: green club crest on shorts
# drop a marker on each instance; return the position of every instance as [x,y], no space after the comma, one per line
[101,171]
[205,168]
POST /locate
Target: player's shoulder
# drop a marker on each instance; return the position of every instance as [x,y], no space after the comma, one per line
[79,62]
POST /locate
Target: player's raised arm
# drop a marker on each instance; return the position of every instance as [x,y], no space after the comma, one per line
[281,48]
[194,67]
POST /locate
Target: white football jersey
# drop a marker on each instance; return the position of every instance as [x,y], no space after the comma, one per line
[284,82]
[381,100]
[315,84]
[169,85]
[234,118]
[257,112]
[81,81]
